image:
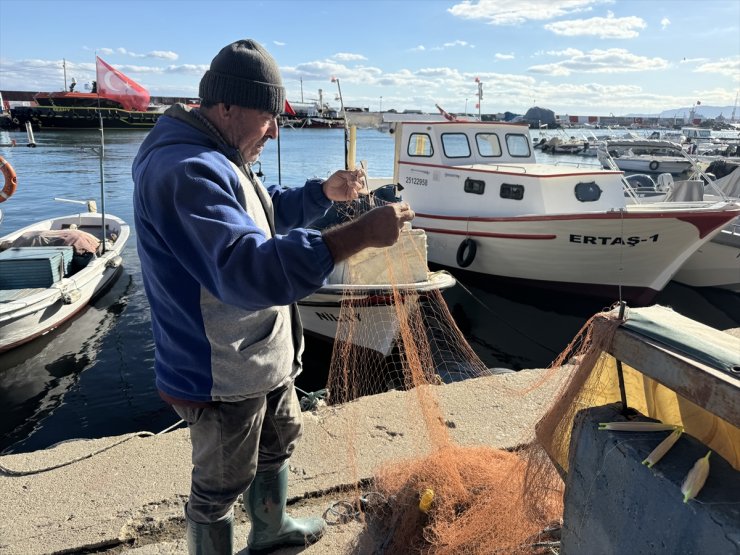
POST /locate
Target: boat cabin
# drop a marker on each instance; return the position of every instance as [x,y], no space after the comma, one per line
[697,133]
[473,168]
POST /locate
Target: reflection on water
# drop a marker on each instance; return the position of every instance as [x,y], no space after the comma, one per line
[94,376]
[35,377]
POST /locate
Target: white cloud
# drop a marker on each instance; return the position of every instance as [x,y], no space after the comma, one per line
[419,48]
[723,66]
[500,56]
[566,52]
[454,44]
[163,54]
[278,43]
[665,23]
[506,12]
[160,54]
[609,27]
[347,57]
[613,60]
[457,43]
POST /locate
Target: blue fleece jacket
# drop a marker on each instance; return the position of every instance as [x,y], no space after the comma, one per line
[194,234]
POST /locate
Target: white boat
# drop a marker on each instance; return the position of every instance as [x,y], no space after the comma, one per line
[716,263]
[487,206]
[28,310]
[369,308]
[643,156]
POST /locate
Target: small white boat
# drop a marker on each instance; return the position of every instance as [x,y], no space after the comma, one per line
[487,206]
[369,308]
[643,156]
[41,286]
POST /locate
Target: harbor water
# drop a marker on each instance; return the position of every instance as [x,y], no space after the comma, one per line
[94,377]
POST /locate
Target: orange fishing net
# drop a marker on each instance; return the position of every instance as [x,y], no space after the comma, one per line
[449,499]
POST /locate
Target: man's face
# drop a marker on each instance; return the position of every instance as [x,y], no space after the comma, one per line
[249,130]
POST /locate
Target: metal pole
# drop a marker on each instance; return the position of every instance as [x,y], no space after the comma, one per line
[346,127]
[102,157]
[620,371]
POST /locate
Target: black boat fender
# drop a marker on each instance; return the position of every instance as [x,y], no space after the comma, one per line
[654,165]
[466,252]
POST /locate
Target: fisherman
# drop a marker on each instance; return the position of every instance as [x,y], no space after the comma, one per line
[224,260]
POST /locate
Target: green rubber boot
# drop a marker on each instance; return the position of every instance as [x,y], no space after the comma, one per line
[210,539]
[265,502]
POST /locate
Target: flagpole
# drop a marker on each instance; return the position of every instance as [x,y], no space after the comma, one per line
[101,156]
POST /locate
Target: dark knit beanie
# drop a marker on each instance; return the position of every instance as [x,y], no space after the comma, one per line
[244,74]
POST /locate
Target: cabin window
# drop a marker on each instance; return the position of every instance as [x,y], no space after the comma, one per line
[511,191]
[488,144]
[420,144]
[518,145]
[588,192]
[475,186]
[455,145]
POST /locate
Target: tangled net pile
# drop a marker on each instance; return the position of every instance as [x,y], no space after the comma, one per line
[451,499]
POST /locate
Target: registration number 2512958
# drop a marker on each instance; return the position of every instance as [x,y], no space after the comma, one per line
[417,181]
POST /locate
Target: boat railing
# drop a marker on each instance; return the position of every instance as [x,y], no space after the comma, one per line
[572,164]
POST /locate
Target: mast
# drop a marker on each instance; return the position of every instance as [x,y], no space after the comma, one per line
[64,69]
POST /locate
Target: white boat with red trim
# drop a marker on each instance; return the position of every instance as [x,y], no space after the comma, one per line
[488,207]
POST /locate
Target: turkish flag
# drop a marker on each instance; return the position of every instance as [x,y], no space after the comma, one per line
[116,86]
[288,108]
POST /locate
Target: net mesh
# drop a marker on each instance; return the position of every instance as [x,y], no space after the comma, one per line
[480,499]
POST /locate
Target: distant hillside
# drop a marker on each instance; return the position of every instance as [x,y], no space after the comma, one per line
[704,112]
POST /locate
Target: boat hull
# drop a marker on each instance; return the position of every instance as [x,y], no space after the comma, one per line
[365,316]
[58,117]
[716,263]
[591,254]
[26,314]
[653,165]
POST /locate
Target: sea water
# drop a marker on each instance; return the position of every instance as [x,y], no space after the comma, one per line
[94,376]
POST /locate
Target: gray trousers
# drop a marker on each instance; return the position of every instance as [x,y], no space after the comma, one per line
[233,441]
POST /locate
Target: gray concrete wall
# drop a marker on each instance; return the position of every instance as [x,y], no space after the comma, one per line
[616,505]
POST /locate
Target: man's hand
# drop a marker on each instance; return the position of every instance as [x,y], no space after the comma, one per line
[345,185]
[380,227]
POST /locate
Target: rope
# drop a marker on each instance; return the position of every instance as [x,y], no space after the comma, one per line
[10,472]
[532,339]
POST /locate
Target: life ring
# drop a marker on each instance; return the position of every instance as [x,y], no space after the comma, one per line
[466,252]
[654,165]
[11,180]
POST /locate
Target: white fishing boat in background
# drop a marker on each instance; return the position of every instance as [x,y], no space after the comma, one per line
[643,156]
[49,271]
[488,207]
[717,262]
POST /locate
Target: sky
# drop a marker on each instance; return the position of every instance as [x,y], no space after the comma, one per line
[578,57]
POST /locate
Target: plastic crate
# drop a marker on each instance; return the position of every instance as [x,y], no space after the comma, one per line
[34,267]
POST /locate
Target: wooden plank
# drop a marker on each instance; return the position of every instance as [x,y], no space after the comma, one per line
[710,388]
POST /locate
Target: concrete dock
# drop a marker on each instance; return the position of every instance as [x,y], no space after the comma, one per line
[126,493]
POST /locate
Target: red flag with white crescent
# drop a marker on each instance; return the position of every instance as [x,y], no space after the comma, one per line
[116,86]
